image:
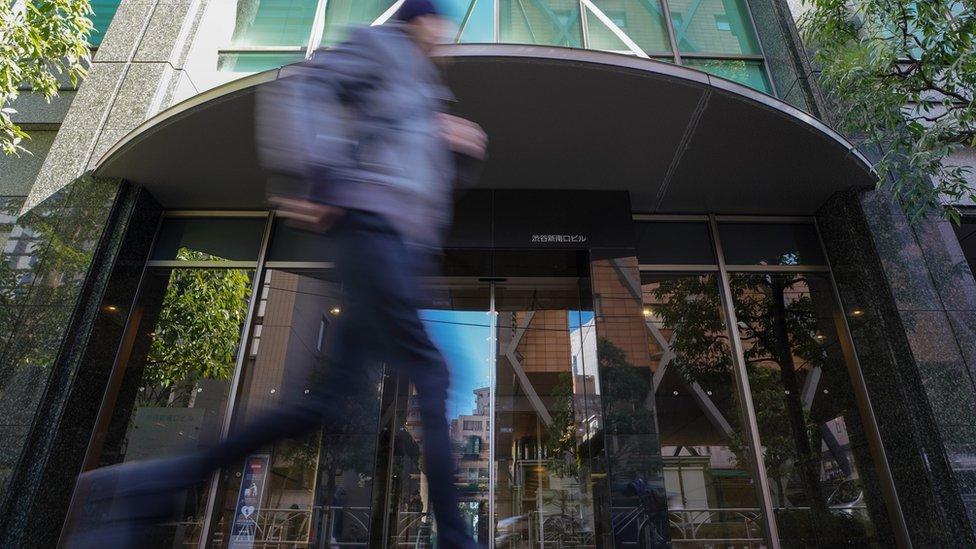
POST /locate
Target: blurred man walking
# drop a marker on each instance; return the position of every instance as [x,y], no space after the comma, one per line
[360,141]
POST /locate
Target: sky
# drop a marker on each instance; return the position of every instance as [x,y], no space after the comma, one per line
[462,336]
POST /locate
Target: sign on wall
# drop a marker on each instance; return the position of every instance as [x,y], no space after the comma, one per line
[245,527]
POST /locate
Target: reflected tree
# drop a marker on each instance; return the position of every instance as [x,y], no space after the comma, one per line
[561,444]
[197,332]
[778,326]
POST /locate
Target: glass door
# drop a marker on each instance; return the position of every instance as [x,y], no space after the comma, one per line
[546,414]
[522,408]
[458,316]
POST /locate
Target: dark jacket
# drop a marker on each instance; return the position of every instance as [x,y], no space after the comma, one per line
[357,125]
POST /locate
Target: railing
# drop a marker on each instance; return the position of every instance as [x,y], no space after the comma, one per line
[738,526]
[291,528]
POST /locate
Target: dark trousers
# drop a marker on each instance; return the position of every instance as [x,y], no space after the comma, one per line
[379,321]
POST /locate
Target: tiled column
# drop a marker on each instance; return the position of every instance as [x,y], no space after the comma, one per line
[911,301]
[137,71]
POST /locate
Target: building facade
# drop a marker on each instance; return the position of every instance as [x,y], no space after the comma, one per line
[676,311]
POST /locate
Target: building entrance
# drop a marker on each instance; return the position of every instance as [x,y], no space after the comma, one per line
[696,389]
[523,408]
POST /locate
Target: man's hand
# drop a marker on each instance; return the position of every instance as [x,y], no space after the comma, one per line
[307,214]
[463,136]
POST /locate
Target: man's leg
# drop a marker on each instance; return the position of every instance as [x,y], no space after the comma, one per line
[124,501]
[381,276]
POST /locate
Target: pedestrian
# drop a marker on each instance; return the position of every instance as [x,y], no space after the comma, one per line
[360,135]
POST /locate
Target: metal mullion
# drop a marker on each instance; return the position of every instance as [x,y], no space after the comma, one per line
[317,31]
[678,268]
[299,265]
[747,409]
[177,264]
[497,22]
[723,56]
[215,213]
[670,27]
[260,49]
[492,359]
[765,219]
[584,24]
[868,420]
[777,268]
[232,394]
[668,217]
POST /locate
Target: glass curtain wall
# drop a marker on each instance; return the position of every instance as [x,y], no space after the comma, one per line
[716,36]
[605,404]
[812,444]
[170,385]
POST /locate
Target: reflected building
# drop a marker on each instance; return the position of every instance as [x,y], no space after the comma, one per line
[676,311]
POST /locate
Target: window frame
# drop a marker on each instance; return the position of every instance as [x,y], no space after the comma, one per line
[588,11]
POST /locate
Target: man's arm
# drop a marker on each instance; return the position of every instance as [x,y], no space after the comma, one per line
[302,130]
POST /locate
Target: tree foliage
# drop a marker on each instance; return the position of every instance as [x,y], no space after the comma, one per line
[39,41]
[778,326]
[198,329]
[900,75]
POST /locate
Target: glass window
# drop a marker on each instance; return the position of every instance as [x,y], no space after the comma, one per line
[257,61]
[208,239]
[747,72]
[674,243]
[642,21]
[102,13]
[292,244]
[821,473]
[771,244]
[475,19]
[713,26]
[273,22]
[318,486]
[707,462]
[455,316]
[966,232]
[341,15]
[545,417]
[548,22]
[178,365]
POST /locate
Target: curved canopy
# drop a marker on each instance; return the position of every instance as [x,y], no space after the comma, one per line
[679,140]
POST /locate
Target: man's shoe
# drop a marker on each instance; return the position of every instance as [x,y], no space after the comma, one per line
[117,506]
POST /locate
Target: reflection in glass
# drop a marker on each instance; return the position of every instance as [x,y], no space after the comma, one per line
[342,15]
[458,321]
[544,420]
[707,461]
[179,359]
[318,487]
[257,61]
[273,22]
[203,239]
[102,13]
[289,243]
[670,243]
[641,20]
[475,20]
[713,26]
[545,22]
[744,71]
[771,244]
[632,447]
[816,456]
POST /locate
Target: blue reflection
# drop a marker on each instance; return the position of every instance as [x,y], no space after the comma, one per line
[480,24]
[462,336]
